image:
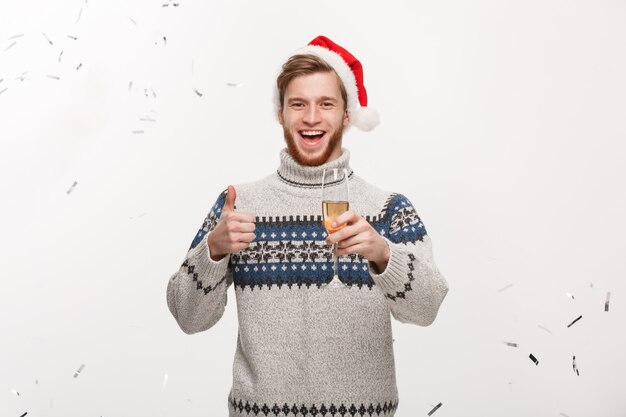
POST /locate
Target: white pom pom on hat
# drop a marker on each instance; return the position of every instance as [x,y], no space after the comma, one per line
[350,72]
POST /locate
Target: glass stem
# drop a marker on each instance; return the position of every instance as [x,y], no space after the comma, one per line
[336,266]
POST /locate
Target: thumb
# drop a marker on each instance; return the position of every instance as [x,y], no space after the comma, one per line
[231,194]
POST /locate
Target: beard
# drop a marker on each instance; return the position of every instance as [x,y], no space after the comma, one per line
[305,160]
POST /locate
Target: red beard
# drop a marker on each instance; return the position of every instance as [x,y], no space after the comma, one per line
[305,160]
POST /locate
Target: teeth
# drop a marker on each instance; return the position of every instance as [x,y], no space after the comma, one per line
[312,132]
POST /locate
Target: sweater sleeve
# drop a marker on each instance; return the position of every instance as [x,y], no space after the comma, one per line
[413,286]
[196,293]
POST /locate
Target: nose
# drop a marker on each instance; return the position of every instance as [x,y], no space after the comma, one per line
[312,115]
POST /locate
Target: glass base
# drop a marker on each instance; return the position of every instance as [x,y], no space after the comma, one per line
[336,283]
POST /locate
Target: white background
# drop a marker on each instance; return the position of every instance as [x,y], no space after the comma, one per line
[503,122]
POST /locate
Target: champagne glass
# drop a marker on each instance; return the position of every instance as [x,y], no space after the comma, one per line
[335,201]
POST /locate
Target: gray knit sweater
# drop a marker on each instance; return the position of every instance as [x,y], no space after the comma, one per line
[303,349]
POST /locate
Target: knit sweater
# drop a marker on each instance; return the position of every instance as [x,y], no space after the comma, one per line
[302,348]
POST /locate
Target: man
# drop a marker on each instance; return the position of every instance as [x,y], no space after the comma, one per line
[304,348]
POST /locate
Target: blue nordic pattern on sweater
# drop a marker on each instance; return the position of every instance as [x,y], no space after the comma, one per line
[291,250]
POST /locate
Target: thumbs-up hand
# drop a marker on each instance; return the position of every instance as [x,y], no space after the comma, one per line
[233,232]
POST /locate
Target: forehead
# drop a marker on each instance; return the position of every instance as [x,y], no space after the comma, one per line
[311,86]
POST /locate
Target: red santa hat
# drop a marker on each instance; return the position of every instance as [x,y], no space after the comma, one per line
[350,72]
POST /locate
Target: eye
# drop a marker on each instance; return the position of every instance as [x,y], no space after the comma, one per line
[327,104]
[297,105]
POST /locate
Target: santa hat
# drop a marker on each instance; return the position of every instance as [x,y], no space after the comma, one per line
[350,72]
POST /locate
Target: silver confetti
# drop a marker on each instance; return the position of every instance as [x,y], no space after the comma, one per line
[130,85]
[544,328]
[60,55]
[606,303]
[36,382]
[132,20]
[505,288]
[23,415]
[56,77]
[147,119]
[3,90]
[22,77]
[164,381]
[16,36]
[234,84]
[574,365]
[578,318]
[72,37]
[72,187]
[14,392]
[569,295]
[47,38]
[1,79]
[431,412]
[532,357]
[79,370]
[80,13]
[164,41]
[10,46]
[591,284]
[153,93]
[79,66]
[197,92]
[563,414]
[511,344]
[137,131]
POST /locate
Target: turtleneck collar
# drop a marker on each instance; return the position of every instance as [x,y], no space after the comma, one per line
[298,175]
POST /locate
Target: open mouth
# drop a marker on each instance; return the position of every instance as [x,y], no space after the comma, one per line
[312,137]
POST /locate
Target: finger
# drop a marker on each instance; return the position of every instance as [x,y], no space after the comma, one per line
[231,195]
[242,217]
[348,217]
[246,237]
[247,227]
[343,234]
[358,249]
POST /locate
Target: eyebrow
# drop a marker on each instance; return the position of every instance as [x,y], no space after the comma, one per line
[323,98]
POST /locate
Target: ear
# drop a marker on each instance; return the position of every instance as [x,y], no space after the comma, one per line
[346,118]
[280,116]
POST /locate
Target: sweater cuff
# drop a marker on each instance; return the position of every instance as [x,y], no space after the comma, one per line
[200,258]
[393,278]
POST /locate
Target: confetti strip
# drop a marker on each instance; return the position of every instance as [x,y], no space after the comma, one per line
[16,36]
[72,187]
[606,303]
[72,37]
[164,381]
[147,119]
[53,77]
[22,77]
[431,412]
[14,392]
[569,295]
[24,414]
[10,46]
[47,38]
[60,55]
[544,328]
[80,13]
[137,131]
[1,79]
[510,344]
[79,370]
[164,41]
[130,85]
[239,85]
[505,288]
[79,66]
[132,20]
[579,317]
[574,365]
[197,92]
[153,93]
[532,357]
[563,414]
[36,382]
[3,90]
[591,284]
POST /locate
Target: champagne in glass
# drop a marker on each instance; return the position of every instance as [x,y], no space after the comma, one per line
[335,201]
